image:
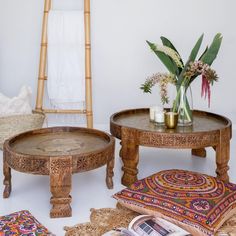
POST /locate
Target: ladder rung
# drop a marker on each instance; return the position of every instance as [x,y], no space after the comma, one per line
[64,111]
[43,78]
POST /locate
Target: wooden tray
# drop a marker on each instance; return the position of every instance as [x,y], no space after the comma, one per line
[139,119]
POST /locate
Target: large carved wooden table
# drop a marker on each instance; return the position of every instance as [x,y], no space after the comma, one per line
[134,129]
[58,152]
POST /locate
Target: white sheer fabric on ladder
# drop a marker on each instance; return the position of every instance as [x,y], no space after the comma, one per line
[68,4]
[66,61]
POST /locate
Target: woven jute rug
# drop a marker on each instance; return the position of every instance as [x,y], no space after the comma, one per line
[105,219]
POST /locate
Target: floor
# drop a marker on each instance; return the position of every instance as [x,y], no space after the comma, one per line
[89,189]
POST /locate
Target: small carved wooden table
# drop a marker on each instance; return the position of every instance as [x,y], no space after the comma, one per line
[58,152]
[134,128]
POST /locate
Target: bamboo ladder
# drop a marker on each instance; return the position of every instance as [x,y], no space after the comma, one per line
[42,67]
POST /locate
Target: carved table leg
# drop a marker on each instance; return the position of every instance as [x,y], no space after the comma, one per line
[60,185]
[110,173]
[222,159]
[130,156]
[7,177]
[200,152]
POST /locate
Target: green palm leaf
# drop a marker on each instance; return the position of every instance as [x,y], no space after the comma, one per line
[213,50]
[195,49]
[167,42]
[166,60]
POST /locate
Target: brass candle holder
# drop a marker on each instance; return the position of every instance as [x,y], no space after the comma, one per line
[171,119]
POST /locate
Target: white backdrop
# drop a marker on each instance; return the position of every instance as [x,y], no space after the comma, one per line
[121,60]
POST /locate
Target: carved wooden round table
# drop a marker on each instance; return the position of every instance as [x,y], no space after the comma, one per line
[58,152]
[134,128]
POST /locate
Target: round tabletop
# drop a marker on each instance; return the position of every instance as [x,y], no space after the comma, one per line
[137,120]
[87,145]
[60,142]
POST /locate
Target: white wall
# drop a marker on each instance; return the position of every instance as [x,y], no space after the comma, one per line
[121,59]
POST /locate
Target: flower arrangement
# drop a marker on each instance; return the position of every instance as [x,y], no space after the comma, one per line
[183,74]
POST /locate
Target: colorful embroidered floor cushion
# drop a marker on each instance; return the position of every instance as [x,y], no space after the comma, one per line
[21,223]
[197,202]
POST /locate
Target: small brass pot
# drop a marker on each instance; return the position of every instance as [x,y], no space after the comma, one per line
[171,120]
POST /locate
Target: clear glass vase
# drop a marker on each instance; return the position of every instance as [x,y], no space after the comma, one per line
[183,104]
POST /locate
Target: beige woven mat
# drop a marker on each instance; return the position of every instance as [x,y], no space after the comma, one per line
[105,219]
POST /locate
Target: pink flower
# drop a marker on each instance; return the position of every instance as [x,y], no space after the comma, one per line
[206,89]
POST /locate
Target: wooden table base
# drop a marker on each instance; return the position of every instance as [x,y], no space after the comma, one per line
[60,183]
[130,157]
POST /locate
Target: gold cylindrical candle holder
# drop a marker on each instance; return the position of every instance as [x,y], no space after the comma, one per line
[171,120]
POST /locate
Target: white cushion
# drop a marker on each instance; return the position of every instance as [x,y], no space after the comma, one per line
[20,104]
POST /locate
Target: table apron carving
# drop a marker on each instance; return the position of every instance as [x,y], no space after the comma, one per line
[178,141]
[23,164]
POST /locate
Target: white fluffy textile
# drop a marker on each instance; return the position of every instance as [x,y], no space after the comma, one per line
[20,104]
